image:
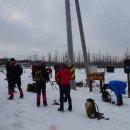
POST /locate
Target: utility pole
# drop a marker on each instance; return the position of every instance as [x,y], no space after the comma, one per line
[86,61]
[69,38]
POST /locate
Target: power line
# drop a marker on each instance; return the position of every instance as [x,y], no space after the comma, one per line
[112,21]
[4,20]
[2,4]
[1,7]
[17,4]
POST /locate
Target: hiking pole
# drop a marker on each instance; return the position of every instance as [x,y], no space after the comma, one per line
[52,84]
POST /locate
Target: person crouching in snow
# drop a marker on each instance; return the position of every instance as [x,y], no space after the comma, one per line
[41,76]
[118,87]
[64,76]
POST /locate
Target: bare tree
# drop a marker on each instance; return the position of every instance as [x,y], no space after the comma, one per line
[55,58]
[43,58]
[49,59]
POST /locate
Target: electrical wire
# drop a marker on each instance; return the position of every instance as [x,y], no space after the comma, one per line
[1,7]
[17,5]
[112,21]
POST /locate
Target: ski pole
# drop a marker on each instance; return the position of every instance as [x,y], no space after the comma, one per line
[52,84]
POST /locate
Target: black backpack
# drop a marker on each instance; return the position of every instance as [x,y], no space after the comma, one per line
[31,87]
[106,97]
[19,70]
[92,110]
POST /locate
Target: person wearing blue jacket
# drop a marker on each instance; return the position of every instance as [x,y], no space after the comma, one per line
[118,87]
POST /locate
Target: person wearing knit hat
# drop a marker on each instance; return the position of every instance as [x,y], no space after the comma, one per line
[12,59]
[13,77]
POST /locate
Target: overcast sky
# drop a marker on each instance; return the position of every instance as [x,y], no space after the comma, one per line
[28,26]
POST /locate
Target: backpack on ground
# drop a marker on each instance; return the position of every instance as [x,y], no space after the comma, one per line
[39,75]
[31,87]
[92,110]
[106,97]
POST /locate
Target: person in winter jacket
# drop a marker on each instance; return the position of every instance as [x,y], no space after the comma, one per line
[13,77]
[118,87]
[57,68]
[41,77]
[64,77]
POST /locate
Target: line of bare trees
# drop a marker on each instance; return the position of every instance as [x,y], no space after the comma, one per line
[100,60]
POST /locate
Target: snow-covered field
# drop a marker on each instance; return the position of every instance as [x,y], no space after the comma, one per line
[23,114]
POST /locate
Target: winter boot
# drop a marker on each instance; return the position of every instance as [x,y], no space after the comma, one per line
[61,106]
[61,109]
[120,103]
[21,96]
[10,98]
[21,93]
[70,104]
[38,100]
[70,108]
[11,92]
[44,100]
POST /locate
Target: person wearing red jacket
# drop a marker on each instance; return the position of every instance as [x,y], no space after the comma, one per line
[64,76]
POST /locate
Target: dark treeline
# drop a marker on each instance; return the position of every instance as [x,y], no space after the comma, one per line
[100,60]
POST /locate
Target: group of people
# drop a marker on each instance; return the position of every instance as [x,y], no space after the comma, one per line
[62,77]
[41,75]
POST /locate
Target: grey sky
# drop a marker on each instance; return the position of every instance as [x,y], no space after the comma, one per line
[40,25]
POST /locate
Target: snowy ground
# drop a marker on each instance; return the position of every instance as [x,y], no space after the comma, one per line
[23,114]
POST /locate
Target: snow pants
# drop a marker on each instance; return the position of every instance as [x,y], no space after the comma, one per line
[41,88]
[65,90]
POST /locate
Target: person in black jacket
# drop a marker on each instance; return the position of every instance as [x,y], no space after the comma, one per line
[13,77]
[41,77]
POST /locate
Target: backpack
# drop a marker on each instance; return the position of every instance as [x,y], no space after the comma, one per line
[29,88]
[92,110]
[32,87]
[106,97]
[19,70]
[39,75]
